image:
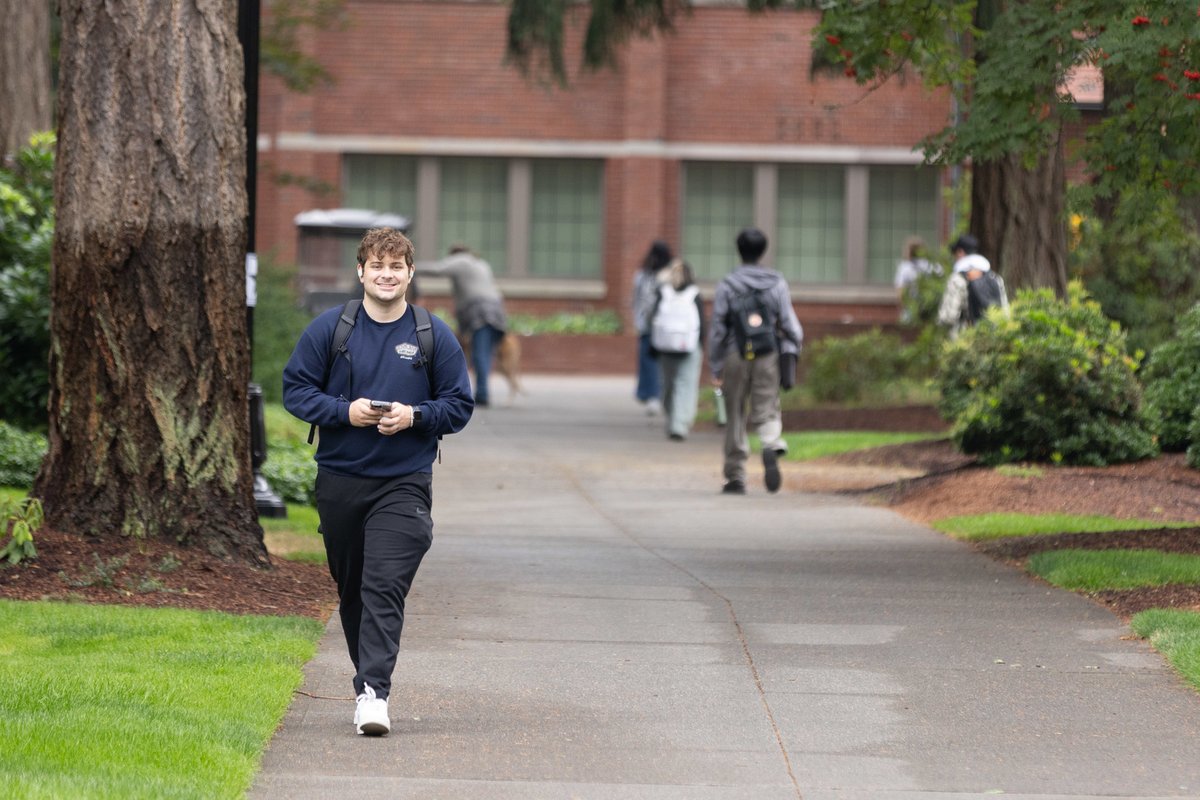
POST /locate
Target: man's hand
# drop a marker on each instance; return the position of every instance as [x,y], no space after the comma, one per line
[717,382]
[362,415]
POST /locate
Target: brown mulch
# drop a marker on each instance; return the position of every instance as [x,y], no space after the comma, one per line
[157,572]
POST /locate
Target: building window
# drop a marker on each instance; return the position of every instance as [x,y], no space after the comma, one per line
[718,201]
[387,184]
[903,202]
[473,208]
[811,223]
[566,219]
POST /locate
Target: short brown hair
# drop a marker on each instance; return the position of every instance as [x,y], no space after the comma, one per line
[385,242]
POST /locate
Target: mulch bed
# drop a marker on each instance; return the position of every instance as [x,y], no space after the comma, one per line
[161,573]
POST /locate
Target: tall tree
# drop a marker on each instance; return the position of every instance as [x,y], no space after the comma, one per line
[24,72]
[1005,62]
[148,427]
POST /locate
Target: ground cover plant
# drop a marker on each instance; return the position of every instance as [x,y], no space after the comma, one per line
[141,703]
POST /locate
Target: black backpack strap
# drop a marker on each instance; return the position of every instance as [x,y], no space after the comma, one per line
[337,345]
[425,343]
[425,339]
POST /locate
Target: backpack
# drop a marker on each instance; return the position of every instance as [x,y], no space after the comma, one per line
[753,321]
[345,325]
[675,327]
[983,292]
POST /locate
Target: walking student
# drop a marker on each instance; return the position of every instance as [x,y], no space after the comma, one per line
[676,336]
[753,323]
[478,307]
[381,404]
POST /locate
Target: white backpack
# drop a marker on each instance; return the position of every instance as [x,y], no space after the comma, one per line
[676,324]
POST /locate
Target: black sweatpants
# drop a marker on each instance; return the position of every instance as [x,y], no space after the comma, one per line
[376,532]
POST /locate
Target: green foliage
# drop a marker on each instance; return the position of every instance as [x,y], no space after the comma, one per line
[922,300]
[1172,379]
[19,519]
[842,369]
[1175,634]
[566,322]
[280,51]
[1193,452]
[1052,382]
[1005,63]
[291,471]
[26,236]
[1096,570]
[1142,264]
[21,455]
[278,322]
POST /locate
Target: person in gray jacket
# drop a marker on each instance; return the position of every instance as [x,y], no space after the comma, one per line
[478,309]
[750,377]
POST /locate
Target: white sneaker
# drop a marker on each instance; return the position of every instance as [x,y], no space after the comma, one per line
[371,716]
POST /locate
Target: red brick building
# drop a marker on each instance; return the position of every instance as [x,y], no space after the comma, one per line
[695,134]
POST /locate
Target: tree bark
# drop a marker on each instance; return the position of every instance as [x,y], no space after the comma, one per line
[150,362]
[24,72]
[1018,214]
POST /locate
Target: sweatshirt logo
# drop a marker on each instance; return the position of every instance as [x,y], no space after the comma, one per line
[406,350]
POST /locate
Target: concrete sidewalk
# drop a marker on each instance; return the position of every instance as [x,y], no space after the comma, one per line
[595,620]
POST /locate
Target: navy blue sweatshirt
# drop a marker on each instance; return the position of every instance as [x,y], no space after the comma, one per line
[384,364]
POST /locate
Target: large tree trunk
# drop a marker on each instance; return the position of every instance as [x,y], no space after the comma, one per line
[149,420]
[24,72]
[1019,216]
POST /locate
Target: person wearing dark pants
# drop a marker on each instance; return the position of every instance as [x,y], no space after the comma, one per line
[753,324]
[409,386]
[376,532]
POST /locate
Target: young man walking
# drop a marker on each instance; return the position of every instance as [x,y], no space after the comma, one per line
[753,322]
[381,405]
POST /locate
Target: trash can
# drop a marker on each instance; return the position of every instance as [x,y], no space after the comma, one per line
[327,249]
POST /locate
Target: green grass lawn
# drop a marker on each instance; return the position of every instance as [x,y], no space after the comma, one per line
[1175,634]
[295,537]
[981,527]
[807,445]
[1094,570]
[113,702]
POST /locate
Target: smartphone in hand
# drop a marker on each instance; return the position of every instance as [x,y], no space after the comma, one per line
[381,405]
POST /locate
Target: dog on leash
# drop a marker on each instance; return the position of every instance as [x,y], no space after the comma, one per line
[506,361]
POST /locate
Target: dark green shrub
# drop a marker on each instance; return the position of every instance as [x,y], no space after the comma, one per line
[1051,382]
[847,369]
[1172,380]
[21,455]
[26,236]
[842,368]
[278,322]
[1193,452]
[291,471]
[1142,265]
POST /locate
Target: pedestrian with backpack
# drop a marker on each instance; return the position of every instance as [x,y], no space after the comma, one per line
[649,277]
[383,380]
[973,288]
[754,327]
[676,333]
